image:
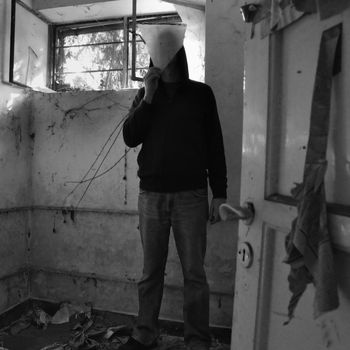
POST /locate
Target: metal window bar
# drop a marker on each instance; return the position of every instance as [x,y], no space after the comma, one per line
[133,44]
[94,71]
[50,57]
[125,53]
[61,31]
[90,27]
[12,40]
[58,60]
[94,44]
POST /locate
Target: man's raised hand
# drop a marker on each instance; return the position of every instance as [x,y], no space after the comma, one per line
[151,80]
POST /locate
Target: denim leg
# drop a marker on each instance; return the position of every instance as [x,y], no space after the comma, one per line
[189,222]
[154,229]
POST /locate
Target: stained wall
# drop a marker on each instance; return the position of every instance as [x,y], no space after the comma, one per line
[15,156]
[85,246]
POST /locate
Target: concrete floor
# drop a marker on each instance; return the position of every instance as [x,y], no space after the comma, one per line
[34,338]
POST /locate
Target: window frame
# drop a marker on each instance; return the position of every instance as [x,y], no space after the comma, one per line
[125,23]
[12,58]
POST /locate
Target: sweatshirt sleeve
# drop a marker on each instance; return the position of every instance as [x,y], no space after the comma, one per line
[138,122]
[216,155]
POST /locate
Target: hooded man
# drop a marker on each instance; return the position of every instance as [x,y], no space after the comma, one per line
[175,120]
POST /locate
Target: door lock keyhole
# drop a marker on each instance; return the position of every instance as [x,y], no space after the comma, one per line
[245,254]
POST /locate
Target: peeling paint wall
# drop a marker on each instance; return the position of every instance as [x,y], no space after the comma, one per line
[93,253]
[69,131]
[15,196]
[14,148]
[14,182]
[94,238]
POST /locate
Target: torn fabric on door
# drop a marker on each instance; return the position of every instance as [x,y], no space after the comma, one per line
[309,250]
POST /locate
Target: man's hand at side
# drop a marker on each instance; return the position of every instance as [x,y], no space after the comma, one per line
[151,80]
[214,209]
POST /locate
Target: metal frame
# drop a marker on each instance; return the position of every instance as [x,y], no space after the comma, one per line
[133,50]
[81,28]
[12,39]
[13,35]
[118,23]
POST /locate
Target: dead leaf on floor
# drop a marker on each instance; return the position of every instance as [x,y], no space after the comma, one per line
[55,346]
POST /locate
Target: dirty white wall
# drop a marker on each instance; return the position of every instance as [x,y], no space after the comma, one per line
[14,180]
[224,73]
[194,42]
[93,253]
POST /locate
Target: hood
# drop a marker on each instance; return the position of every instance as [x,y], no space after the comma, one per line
[180,62]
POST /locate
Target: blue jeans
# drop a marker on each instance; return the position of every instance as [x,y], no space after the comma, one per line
[187,213]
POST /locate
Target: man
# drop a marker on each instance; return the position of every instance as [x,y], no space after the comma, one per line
[176,121]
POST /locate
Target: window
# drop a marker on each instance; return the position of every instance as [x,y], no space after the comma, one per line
[29,50]
[94,56]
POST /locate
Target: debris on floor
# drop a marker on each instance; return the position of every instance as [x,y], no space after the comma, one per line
[77,327]
[87,331]
[41,319]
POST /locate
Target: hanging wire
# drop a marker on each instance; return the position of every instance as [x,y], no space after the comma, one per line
[78,183]
[104,172]
[97,170]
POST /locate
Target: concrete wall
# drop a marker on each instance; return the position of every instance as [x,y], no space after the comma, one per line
[194,42]
[224,73]
[14,180]
[93,252]
[90,257]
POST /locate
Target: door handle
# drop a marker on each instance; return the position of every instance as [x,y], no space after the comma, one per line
[246,212]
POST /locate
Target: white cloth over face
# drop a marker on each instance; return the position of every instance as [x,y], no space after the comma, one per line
[163,41]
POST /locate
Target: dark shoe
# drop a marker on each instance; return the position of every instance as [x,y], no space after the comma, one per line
[133,344]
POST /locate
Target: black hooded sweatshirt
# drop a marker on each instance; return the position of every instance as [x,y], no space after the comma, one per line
[181,137]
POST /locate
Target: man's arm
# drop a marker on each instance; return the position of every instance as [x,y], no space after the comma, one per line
[140,114]
[216,159]
[138,120]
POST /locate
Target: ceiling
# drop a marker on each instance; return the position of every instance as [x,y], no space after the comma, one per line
[64,11]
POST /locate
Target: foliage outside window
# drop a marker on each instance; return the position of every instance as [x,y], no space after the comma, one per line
[98,57]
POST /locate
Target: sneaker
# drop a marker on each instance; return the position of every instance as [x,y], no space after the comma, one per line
[133,344]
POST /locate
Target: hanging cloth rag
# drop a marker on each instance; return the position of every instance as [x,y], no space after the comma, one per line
[308,246]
